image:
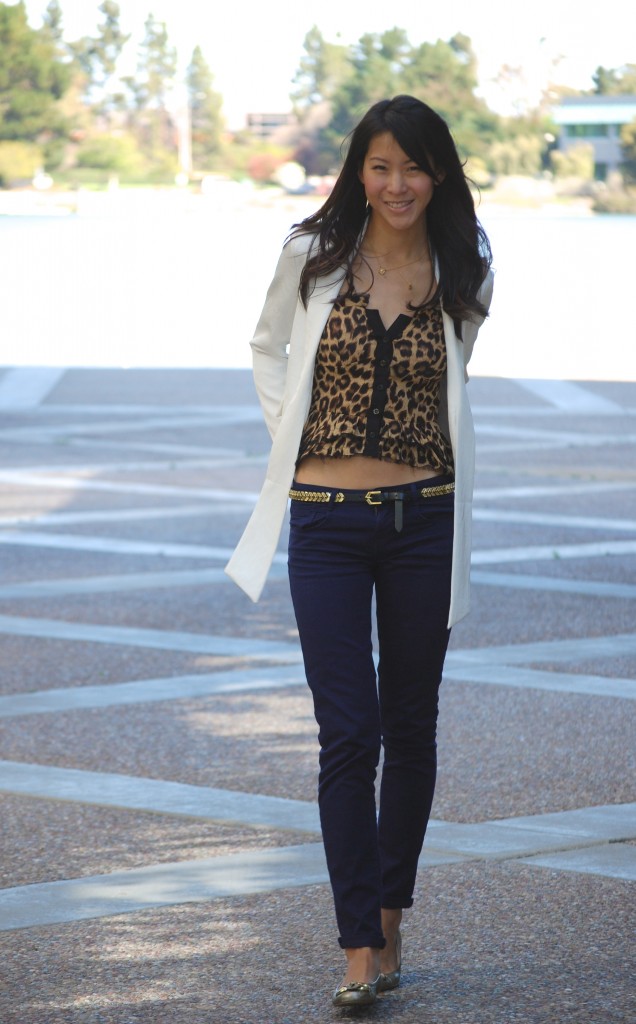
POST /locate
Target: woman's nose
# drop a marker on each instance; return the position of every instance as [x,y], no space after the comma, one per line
[397,182]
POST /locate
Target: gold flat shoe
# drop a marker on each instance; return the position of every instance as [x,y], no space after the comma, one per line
[356,993]
[392,978]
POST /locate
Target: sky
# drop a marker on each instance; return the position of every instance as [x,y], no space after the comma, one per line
[254,49]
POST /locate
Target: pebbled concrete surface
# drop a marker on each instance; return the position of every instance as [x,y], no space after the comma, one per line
[518,940]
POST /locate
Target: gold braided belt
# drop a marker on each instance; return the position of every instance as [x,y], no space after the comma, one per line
[376,497]
[371,497]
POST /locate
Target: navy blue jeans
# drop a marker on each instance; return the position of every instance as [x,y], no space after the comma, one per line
[339,555]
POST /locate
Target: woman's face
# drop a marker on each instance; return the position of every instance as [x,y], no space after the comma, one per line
[397,190]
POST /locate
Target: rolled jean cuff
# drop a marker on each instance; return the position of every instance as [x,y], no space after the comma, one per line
[361,943]
[397,904]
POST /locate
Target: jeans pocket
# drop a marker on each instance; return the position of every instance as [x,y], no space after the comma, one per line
[430,509]
[305,515]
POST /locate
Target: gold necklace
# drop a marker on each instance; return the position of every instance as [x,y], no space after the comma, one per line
[385,270]
[409,283]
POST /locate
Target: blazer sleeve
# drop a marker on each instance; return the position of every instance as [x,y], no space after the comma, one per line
[470,328]
[273,331]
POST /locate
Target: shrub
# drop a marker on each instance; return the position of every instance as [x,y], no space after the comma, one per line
[116,154]
[18,162]
[521,155]
[263,163]
[574,162]
[618,201]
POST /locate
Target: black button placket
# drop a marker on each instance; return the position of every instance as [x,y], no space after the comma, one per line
[381,367]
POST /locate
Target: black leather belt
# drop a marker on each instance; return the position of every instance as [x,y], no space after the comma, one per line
[375,497]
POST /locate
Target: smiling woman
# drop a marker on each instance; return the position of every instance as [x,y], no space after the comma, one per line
[394,184]
[398,193]
[359,360]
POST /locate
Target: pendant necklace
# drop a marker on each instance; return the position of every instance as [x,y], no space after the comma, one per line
[386,270]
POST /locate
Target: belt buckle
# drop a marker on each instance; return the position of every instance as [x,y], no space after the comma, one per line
[369,499]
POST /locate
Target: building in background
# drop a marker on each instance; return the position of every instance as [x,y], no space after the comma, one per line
[266,126]
[596,120]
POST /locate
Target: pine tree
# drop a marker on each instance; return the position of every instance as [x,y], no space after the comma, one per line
[151,89]
[205,111]
[52,19]
[33,77]
[323,68]
[97,57]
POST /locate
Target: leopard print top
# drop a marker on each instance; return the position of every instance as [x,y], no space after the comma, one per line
[376,391]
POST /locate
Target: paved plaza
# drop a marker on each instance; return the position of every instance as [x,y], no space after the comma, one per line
[160,847]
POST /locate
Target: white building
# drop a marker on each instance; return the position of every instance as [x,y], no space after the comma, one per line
[597,120]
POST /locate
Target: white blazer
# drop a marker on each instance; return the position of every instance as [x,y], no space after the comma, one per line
[284,350]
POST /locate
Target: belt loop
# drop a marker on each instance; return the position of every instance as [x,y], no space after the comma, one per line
[399,510]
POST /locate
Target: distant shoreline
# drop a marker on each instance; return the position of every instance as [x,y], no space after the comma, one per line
[509,195]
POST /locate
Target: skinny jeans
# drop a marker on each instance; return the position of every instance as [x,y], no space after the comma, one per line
[340,556]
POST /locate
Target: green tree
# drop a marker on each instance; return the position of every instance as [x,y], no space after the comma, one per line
[615,81]
[574,162]
[205,111]
[33,78]
[445,73]
[322,69]
[19,161]
[521,155]
[52,22]
[377,61]
[111,154]
[156,67]
[442,74]
[97,57]
[151,89]
[109,43]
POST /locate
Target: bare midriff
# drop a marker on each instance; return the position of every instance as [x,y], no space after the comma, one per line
[358,472]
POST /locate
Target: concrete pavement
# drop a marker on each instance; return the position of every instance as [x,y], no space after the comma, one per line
[160,844]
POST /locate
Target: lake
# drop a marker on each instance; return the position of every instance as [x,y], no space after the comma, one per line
[168,279]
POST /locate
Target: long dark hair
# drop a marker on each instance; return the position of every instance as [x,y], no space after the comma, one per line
[455,235]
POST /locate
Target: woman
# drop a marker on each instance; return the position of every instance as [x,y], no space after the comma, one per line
[359,362]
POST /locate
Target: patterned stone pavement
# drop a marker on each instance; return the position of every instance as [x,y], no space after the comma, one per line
[161,856]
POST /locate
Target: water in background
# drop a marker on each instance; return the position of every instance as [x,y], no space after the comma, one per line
[175,280]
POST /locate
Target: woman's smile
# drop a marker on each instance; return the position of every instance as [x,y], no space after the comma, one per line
[394,184]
